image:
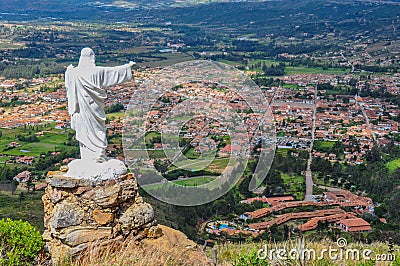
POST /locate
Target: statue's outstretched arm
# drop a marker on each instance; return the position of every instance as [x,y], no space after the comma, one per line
[116,75]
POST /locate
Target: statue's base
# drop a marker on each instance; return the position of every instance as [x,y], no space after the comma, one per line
[111,169]
[83,211]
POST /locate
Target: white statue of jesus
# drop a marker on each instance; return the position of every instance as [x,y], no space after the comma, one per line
[86,93]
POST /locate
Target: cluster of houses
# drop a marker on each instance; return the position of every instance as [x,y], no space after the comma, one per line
[208,123]
[358,122]
[329,210]
[37,108]
[292,109]
[293,126]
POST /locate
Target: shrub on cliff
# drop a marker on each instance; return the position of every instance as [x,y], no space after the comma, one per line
[20,243]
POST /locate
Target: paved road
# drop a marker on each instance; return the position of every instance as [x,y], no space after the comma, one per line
[350,63]
[309,179]
[367,121]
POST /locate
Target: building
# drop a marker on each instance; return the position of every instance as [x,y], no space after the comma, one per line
[346,198]
[354,225]
[340,196]
[263,199]
[26,160]
[277,200]
[23,177]
[256,214]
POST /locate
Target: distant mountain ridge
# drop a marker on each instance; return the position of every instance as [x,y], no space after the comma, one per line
[127,10]
[73,5]
[53,5]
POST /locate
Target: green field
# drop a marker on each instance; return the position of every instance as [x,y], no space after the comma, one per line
[170,59]
[290,86]
[282,152]
[251,62]
[323,146]
[194,181]
[33,149]
[53,139]
[4,159]
[268,63]
[393,165]
[262,61]
[191,165]
[156,154]
[191,154]
[118,115]
[218,165]
[289,70]
[190,182]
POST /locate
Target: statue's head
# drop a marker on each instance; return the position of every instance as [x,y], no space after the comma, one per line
[87,57]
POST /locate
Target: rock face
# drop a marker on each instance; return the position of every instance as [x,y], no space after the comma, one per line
[82,211]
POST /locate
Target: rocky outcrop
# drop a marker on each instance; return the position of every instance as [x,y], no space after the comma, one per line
[172,248]
[79,212]
[174,243]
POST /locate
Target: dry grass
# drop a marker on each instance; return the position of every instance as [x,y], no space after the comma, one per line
[134,254]
[176,252]
[243,253]
[130,255]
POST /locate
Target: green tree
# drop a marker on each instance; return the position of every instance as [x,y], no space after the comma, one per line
[161,166]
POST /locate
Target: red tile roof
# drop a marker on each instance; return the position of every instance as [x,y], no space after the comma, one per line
[355,224]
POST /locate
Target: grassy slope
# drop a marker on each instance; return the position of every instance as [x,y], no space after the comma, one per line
[393,165]
[27,207]
[295,184]
[53,139]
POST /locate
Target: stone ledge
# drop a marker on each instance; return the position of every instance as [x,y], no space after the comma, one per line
[81,211]
[58,179]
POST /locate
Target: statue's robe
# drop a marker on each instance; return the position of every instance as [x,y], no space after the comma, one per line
[86,94]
